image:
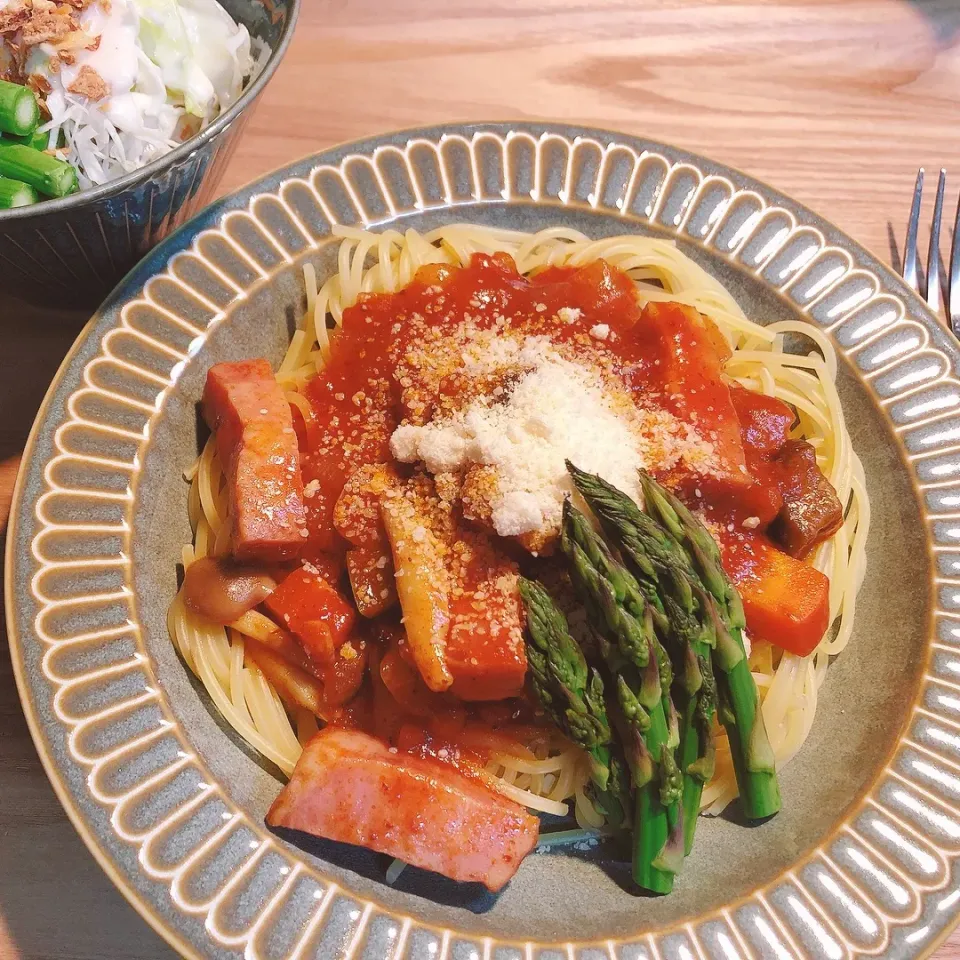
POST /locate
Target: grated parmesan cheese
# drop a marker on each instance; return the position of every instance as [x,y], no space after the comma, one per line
[487,352]
[519,511]
[556,410]
[601,331]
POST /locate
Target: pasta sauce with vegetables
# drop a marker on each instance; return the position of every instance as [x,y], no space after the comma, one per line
[426,572]
[668,360]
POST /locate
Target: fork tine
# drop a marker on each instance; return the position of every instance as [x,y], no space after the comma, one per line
[913,225]
[944,281]
[953,280]
[933,255]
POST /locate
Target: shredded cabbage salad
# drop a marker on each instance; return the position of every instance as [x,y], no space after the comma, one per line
[168,67]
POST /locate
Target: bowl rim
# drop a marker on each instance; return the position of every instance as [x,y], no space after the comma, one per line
[147,172]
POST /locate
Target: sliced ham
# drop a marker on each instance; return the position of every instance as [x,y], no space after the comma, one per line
[245,407]
[485,652]
[348,786]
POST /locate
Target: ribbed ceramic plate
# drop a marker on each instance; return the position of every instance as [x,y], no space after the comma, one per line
[862,860]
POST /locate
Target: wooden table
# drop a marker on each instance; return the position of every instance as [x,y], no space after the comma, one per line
[836,102]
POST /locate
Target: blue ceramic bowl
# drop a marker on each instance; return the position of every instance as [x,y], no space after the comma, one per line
[72,252]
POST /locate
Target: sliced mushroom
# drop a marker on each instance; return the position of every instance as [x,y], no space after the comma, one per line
[220,590]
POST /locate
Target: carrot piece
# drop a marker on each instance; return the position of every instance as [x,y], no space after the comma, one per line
[344,676]
[485,652]
[786,602]
[317,639]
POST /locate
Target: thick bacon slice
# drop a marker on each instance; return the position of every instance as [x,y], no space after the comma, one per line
[485,651]
[348,786]
[245,407]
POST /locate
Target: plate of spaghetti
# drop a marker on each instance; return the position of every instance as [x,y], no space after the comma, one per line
[503,540]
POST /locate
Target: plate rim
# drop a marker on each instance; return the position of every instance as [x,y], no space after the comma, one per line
[157,261]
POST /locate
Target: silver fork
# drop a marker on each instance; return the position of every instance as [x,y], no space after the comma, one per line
[935,282]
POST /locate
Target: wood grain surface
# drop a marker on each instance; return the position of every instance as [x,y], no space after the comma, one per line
[836,102]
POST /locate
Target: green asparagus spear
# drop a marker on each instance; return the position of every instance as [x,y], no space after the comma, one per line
[13,193]
[623,622]
[703,549]
[753,757]
[660,560]
[47,174]
[693,635]
[637,533]
[697,751]
[694,699]
[608,586]
[680,533]
[615,799]
[625,586]
[35,141]
[19,111]
[657,817]
[573,695]
[567,688]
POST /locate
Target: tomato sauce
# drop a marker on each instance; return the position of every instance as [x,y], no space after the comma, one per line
[406,714]
[356,398]
[666,354]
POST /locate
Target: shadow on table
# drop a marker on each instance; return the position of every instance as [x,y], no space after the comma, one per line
[54,899]
[34,342]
